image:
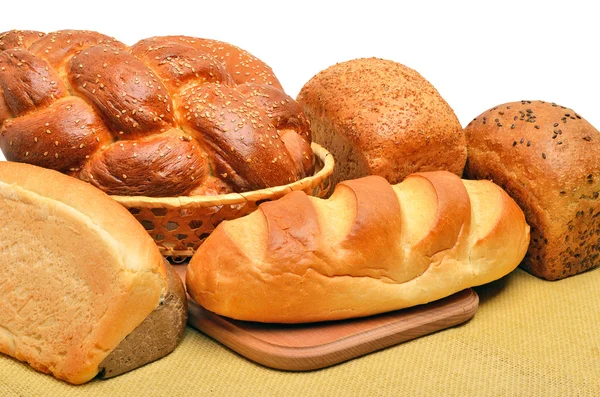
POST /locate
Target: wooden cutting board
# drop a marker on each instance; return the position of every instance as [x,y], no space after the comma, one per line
[302,347]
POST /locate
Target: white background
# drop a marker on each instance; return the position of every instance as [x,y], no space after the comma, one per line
[477,54]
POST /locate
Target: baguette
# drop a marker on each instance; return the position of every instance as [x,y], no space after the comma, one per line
[84,291]
[370,248]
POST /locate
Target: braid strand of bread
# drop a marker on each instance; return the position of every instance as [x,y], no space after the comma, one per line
[168,116]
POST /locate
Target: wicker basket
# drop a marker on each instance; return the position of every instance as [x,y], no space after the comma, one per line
[178,225]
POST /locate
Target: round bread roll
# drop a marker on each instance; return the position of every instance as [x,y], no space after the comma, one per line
[168,116]
[378,117]
[546,157]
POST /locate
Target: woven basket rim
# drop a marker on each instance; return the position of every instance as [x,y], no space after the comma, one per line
[234,198]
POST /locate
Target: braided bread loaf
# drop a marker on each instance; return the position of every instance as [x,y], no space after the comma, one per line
[168,116]
[370,248]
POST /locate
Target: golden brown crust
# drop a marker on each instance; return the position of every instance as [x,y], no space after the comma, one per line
[544,155]
[370,248]
[178,166]
[27,81]
[58,47]
[371,239]
[18,39]
[246,133]
[229,137]
[382,118]
[62,143]
[5,111]
[451,198]
[118,84]
[292,126]
[242,66]
[78,262]
[179,64]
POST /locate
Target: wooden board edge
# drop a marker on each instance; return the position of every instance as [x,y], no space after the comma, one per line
[448,312]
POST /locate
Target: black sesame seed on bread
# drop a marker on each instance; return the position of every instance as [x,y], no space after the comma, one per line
[546,157]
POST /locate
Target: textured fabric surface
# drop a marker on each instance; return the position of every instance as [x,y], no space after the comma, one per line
[529,338]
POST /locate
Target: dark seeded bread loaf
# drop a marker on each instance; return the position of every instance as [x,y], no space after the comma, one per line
[546,157]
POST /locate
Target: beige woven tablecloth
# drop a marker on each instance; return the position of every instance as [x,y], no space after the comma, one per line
[529,337]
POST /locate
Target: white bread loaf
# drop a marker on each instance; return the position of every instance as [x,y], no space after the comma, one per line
[370,248]
[78,275]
